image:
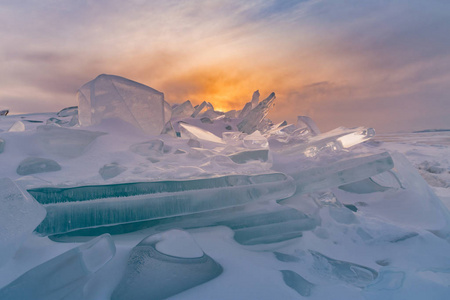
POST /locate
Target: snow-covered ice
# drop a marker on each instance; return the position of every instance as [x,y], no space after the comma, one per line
[203,204]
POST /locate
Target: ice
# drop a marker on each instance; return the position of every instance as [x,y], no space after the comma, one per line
[63,277]
[255,140]
[19,216]
[68,112]
[244,112]
[183,110]
[2,145]
[109,96]
[152,274]
[65,142]
[4,112]
[246,156]
[341,172]
[348,272]
[111,170]
[33,165]
[307,122]
[194,132]
[150,148]
[203,107]
[253,119]
[17,127]
[80,207]
[255,99]
[297,283]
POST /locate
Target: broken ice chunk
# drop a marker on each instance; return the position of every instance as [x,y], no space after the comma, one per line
[4,112]
[255,140]
[246,156]
[65,142]
[2,145]
[305,121]
[247,108]
[183,110]
[111,170]
[150,148]
[109,96]
[255,99]
[342,172]
[251,121]
[64,276]
[204,106]
[17,127]
[194,132]
[68,112]
[33,165]
[297,283]
[164,265]
[348,272]
[88,206]
[19,216]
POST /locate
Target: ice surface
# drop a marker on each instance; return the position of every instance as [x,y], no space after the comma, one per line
[68,112]
[64,276]
[341,172]
[17,127]
[109,96]
[152,274]
[80,207]
[183,110]
[251,121]
[297,283]
[111,170]
[33,165]
[65,142]
[351,273]
[19,216]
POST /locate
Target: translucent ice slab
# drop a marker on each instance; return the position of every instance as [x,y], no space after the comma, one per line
[251,121]
[65,142]
[17,127]
[163,265]
[68,112]
[190,131]
[109,96]
[348,272]
[183,110]
[341,172]
[19,216]
[88,206]
[64,276]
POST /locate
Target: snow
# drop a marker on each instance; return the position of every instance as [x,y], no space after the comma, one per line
[215,205]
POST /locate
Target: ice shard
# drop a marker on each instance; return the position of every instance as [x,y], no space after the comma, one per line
[89,206]
[203,107]
[109,96]
[19,216]
[183,110]
[2,145]
[163,265]
[4,112]
[17,127]
[33,165]
[305,121]
[111,170]
[297,283]
[64,276]
[357,275]
[255,99]
[68,112]
[341,172]
[194,132]
[65,142]
[251,121]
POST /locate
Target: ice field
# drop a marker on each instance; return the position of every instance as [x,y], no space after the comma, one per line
[126,196]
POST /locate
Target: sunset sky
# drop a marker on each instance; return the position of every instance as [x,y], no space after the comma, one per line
[383,64]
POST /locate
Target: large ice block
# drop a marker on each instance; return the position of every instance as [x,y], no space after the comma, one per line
[163,265]
[19,216]
[342,172]
[88,206]
[251,121]
[64,276]
[183,110]
[33,165]
[65,142]
[109,96]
